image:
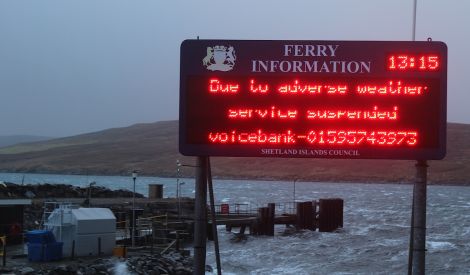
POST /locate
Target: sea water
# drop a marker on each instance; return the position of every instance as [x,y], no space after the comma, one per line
[375,237]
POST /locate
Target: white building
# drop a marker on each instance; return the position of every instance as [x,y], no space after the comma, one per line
[92,229]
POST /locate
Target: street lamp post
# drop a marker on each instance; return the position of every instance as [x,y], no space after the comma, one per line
[294,189]
[134,177]
[178,183]
[89,192]
[181,192]
[179,198]
[178,165]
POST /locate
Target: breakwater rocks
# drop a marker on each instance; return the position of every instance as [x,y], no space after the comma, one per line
[101,266]
[170,263]
[11,190]
[42,192]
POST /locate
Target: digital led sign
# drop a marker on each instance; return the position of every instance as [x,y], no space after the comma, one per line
[313,99]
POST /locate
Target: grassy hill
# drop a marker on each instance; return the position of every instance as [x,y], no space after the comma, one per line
[16,139]
[152,148]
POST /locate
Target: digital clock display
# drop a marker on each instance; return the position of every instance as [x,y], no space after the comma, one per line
[323,99]
[405,62]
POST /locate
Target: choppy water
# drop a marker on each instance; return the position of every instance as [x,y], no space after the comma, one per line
[375,237]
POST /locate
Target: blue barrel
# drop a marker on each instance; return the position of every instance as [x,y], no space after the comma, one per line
[45,252]
[40,236]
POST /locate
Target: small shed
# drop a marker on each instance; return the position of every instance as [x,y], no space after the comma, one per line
[12,219]
[92,229]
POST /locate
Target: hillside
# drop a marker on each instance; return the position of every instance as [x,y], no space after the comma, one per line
[152,148]
[16,139]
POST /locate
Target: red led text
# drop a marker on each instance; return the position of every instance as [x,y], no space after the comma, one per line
[312,88]
[319,137]
[393,88]
[215,86]
[374,114]
[258,88]
[257,137]
[405,62]
[272,113]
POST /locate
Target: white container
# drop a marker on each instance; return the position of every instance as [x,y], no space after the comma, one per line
[91,229]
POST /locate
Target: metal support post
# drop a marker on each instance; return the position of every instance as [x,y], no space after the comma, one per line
[294,189]
[3,243]
[134,177]
[177,181]
[413,34]
[419,218]
[200,216]
[214,218]
[410,248]
[133,215]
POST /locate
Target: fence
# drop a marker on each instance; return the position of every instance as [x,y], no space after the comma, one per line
[157,233]
[251,209]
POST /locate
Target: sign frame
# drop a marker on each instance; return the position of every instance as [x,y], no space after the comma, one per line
[194,64]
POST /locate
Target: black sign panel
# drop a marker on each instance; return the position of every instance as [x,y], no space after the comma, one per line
[320,99]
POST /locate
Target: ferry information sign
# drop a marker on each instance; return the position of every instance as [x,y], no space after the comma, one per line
[313,99]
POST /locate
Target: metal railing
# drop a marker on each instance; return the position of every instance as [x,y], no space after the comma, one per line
[251,209]
[156,233]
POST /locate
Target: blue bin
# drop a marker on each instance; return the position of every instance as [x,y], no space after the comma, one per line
[40,236]
[45,252]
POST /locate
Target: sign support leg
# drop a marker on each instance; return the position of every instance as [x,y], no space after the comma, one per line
[419,218]
[214,218]
[410,248]
[200,216]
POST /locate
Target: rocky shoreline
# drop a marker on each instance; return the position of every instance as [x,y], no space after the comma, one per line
[10,190]
[172,263]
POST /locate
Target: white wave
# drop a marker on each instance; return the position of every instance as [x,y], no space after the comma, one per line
[120,268]
[434,246]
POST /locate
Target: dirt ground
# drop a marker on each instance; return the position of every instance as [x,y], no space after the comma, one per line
[17,263]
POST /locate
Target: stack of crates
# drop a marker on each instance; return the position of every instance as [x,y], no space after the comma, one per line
[42,246]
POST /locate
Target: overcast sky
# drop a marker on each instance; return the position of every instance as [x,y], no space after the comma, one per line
[71,67]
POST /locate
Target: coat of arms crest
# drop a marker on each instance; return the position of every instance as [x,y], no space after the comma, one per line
[219,58]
